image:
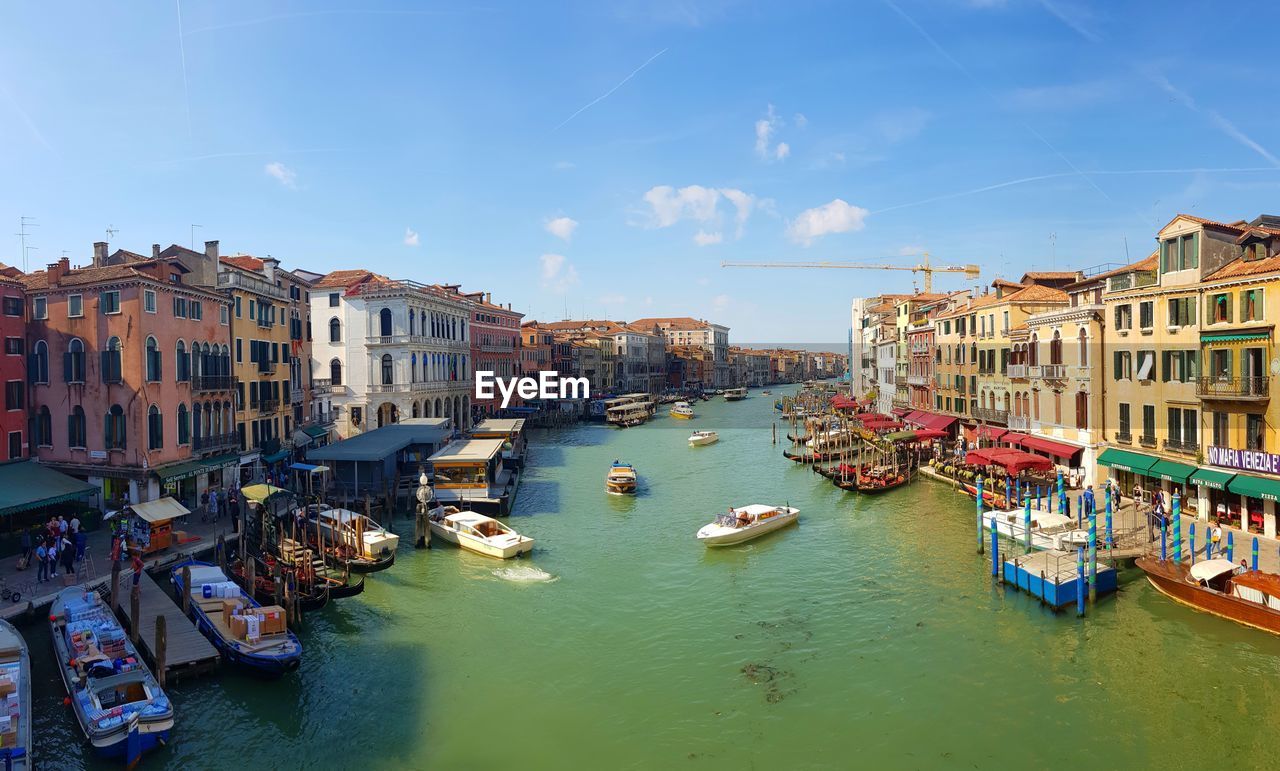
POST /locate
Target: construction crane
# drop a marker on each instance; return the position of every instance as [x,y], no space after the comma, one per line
[969,271]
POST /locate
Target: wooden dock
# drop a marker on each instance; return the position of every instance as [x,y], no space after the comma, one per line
[187,652]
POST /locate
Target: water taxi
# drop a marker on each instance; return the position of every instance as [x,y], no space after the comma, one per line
[263,646]
[15,671]
[110,689]
[682,410]
[472,474]
[355,540]
[629,410]
[478,533]
[745,523]
[767,392]
[621,479]
[1220,587]
[700,438]
[735,394]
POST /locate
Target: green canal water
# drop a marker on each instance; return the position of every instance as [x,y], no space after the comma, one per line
[871,635]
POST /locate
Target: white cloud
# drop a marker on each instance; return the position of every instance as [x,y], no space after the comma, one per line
[743,202]
[558,274]
[700,204]
[837,216]
[800,120]
[782,151]
[766,127]
[561,227]
[282,174]
[703,238]
[720,302]
[563,165]
[410,237]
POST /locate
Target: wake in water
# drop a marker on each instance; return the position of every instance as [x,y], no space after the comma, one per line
[525,574]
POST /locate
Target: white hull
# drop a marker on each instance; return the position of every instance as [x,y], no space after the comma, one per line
[469,531]
[719,535]
[1012,525]
[703,440]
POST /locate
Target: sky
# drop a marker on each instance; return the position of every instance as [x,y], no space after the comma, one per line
[603,158]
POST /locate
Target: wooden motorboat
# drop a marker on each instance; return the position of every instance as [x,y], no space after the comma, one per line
[621,479]
[1220,587]
[682,411]
[109,686]
[353,540]
[265,647]
[16,749]
[745,523]
[478,533]
[700,438]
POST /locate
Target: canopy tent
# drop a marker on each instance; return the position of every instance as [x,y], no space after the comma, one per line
[843,403]
[933,420]
[260,493]
[900,411]
[307,467]
[26,485]
[929,433]
[918,435]
[882,425]
[1011,460]
[874,416]
[160,510]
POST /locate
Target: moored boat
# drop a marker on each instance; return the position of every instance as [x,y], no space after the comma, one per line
[246,633]
[745,523]
[1049,530]
[621,479]
[875,480]
[354,540]
[110,688]
[15,679]
[478,533]
[1220,587]
[700,438]
[682,410]
[308,595]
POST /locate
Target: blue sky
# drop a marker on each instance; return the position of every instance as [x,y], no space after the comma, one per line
[607,156]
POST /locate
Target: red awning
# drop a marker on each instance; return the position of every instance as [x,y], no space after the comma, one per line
[913,416]
[1013,437]
[935,421]
[900,411]
[841,402]
[874,416]
[1011,460]
[991,432]
[881,425]
[1056,449]
[929,433]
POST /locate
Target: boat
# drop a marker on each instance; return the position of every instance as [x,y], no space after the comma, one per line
[881,479]
[310,571]
[629,410]
[700,438]
[1049,530]
[478,533]
[745,523]
[1220,587]
[354,540]
[682,410]
[16,750]
[621,479]
[264,646]
[766,392]
[111,690]
[735,394]
[307,595]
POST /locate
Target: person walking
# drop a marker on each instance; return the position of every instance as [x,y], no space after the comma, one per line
[68,553]
[1089,503]
[51,556]
[42,564]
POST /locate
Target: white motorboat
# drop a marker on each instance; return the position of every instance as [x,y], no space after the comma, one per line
[621,479]
[364,544]
[1048,529]
[478,533]
[745,523]
[700,438]
[682,410]
[735,394]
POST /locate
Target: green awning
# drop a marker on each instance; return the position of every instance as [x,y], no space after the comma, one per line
[899,436]
[26,485]
[1255,487]
[1126,460]
[1171,470]
[275,457]
[1215,480]
[315,432]
[190,468]
[1234,337]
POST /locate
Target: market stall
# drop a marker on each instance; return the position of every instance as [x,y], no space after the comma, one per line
[149,525]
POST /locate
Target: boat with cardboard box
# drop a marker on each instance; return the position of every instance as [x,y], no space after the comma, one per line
[248,634]
[15,699]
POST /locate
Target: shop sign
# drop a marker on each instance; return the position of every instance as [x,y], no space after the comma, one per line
[1245,460]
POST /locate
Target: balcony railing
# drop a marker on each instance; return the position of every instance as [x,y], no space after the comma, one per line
[265,365]
[204,383]
[1053,371]
[267,406]
[321,386]
[901,399]
[295,396]
[438,385]
[215,442]
[918,380]
[1147,441]
[326,418]
[1233,387]
[1178,445]
[1019,422]
[1124,437]
[991,415]
[1017,371]
[230,279]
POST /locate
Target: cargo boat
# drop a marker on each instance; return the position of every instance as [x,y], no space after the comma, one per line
[16,750]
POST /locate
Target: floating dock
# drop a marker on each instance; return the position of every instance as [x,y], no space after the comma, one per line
[187,652]
[1054,577]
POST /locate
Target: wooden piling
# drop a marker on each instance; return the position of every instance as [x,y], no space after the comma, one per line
[186,595]
[135,619]
[115,583]
[162,639]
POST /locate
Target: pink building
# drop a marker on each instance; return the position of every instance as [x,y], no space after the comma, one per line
[13,365]
[114,347]
[495,344]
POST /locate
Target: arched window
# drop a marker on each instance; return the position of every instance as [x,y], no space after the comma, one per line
[155,428]
[388,369]
[1084,348]
[413,316]
[1055,348]
[182,363]
[111,366]
[384,322]
[335,330]
[153,361]
[1033,351]
[40,363]
[44,428]
[184,425]
[1082,409]
[73,362]
[335,373]
[196,413]
[76,427]
[413,369]
[113,429]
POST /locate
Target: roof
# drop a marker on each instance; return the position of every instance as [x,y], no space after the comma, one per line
[341,279]
[91,275]
[260,493]
[468,450]
[1207,569]
[1236,227]
[1050,275]
[384,442]
[499,425]
[673,322]
[1150,262]
[160,510]
[244,262]
[26,485]
[1240,268]
[1038,293]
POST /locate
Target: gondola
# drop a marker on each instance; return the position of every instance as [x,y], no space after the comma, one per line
[872,484]
[308,597]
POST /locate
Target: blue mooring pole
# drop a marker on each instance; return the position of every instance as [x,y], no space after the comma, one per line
[1039,498]
[1109,542]
[1255,552]
[1191,541]
[1079,580]
[1175,521]
[1231,546]
[995,549]
[1026,518]
[980,533]
[1062,496]
[1093,555]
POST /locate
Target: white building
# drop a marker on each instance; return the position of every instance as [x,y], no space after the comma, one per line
[391,350]
[683,330]
[887,374]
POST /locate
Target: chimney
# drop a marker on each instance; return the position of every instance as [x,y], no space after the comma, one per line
[99,253]
[488,297]
[211,251]
[155,251]
[56,271]
[269,265]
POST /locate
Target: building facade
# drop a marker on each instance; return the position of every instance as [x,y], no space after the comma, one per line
[684,330]
[495,343]
[13,363]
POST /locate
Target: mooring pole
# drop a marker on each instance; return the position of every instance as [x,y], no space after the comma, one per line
[995,548]
[1026,518]
[1093,555]
[1080,581]
[1231,546]
[980,533]
[1176,522]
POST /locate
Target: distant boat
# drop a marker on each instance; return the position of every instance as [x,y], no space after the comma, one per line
[1220,587]
[701,438]
[735,394]
[15,670]
[746,523]
[767,392]
[478,533]
[621,479]
[682,410]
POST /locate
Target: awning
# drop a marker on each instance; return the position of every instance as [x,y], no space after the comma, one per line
[1014,438]
[934,421]
[1255,487]
[1126,460]
[1171,470]
[913,416]
[1214,480]
[301,438]
[315,432]
[991,432]
[900,436]
[1234,337]
[900,411]
[190,468]
[161,510]
[27,485]
[1056,449]
[259,493]
[275,457]
[307,467]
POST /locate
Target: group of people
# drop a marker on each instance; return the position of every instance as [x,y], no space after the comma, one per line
[216,503]
[59,543]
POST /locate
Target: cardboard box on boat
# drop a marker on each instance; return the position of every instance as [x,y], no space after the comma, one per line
[238,624]
[7,686]
[229,608]
[272,619]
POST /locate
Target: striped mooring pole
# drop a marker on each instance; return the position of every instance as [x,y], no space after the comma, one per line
[1026,518]
[1175,522]
[1110,543]
[1093,555]
[1079,580]
[980,533]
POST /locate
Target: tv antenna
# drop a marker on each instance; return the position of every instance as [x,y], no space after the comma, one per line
[111,232]
[23,224]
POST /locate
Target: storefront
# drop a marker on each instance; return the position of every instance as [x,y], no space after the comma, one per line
[1214,499]
[186,480]
[1252,493]
[1129,469]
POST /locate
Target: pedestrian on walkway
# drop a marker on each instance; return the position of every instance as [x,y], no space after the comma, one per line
[213,504]
[1215,540]
[51,556]
[42,563]
[67,550]
[25,560]
[1090,504]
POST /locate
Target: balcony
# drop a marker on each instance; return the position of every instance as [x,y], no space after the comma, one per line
[1124,437]
[215,442]
[321,386]
[267,406]
[918,380]
[1234,388]
[295,396]
[1052,372]
[1017,372]
[206,383]
[266,366]
[1147,441]
[438,385]
[404,340]
[1019,422]
[326,418]
[231,279]
[901,399]
[989,415]
[1178,445]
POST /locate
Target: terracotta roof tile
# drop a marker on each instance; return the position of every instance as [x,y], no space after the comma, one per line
[1239,268]
[1151,262]
[1038,293]
[244,262]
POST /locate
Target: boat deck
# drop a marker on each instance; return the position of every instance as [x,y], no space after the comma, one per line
[187,652]
[1052,576]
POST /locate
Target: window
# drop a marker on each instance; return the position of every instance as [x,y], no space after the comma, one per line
[384,322]
[1220,309]
[109,302]
[184,425]
[335,373]
[387,369]
[1125,422]
[111,371]
[155,428]
[1253,432]
[1083,343]
[1146,365]
[15,445]
[13,306]
[1251,305]
[1220,428]
[14,395]
[1122,364]
[240,350]
[180,307]
[333,299]
[43,428]
[153,361]
[1149,422]
[197,310]
[1179,366]
[1082,410]
[73,362]
[39,308]
[1124,317]
[14,346]
[76,428]
[1182,253]
[1220,364]
[1146,314]
[182,363]
[335,331]
[149,300]
[237,302]
[1182,311]
[222,315]
[38,367]
[75,306]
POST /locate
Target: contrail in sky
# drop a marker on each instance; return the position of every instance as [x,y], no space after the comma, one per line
[182,52]
[605,95]
[31,125]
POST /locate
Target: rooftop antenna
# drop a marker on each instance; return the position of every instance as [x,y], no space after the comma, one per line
[23,224]
[111,233]
[193,236]
[1053,251]
[1126,249]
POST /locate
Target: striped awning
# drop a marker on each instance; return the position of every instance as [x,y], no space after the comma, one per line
[1234,337]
